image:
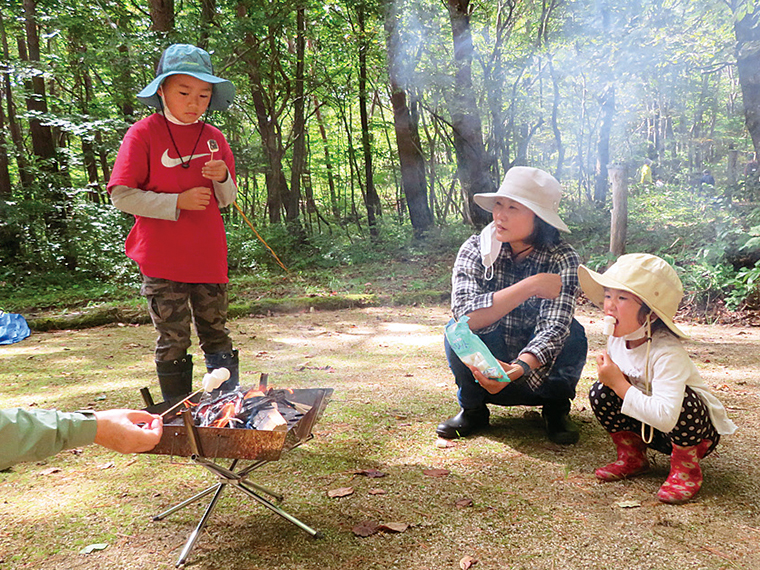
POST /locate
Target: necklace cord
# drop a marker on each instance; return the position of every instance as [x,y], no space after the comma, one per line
[195,146]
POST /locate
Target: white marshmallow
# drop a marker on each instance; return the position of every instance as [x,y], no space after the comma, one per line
[215,378]
[609,325]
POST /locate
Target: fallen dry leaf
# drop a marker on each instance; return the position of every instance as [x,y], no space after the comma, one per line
[341,492]
[467,562]
[365,528]
[393,527]
[436,472]
[371,473]
[377,492]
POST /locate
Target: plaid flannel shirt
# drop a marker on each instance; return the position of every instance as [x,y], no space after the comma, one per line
[538,326]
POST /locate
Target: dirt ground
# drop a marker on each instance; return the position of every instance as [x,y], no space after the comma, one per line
[507,499]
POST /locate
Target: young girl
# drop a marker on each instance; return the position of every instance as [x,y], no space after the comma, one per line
[649,393]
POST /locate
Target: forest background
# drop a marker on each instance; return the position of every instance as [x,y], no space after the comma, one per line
[362,128]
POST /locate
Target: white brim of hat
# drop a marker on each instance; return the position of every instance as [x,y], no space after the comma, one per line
[487,201]
[594,284]
[224,91]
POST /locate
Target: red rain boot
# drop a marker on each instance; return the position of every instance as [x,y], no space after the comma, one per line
[632,458]
[685,479]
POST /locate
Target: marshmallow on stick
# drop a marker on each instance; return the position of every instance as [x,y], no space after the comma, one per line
[609,325]
[213,146]
[211,381]
[215,378]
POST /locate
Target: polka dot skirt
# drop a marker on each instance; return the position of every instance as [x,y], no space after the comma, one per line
[692,427]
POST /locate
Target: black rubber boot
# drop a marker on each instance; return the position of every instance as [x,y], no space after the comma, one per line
[228,360]
[464,423]
[559,427]
[175,377]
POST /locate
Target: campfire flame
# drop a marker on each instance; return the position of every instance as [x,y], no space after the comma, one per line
[228,413]
[248,408]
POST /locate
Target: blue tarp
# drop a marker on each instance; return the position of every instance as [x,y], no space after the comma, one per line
[13,328]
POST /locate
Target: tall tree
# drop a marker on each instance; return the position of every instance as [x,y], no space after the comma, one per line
[36,102]
[607,103]
[747,30]
[406,123]
[371,199]
[14,128]
[270,89]
[472,162]
[298,164]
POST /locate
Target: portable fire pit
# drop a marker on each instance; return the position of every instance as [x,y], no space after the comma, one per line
[301,408]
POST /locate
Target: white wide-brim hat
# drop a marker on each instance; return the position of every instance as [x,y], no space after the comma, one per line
[185,59]
[647,276]
[535,189]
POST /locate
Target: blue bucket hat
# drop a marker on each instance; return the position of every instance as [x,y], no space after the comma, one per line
[185,59]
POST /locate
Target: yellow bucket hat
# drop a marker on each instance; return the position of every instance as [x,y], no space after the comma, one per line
[647,276]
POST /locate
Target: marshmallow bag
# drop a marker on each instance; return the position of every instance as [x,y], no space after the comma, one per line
[473,351]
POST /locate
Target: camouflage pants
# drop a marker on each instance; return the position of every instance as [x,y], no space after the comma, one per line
[174,305]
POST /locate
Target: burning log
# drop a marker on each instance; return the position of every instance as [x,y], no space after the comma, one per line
[249,409]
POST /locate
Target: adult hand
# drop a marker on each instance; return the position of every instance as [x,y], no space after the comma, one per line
[491,385]
[128,431]
[215,170]
[610,374]
[546,285]
[194,199]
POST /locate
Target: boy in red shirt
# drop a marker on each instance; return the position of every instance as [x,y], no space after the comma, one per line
[174,172]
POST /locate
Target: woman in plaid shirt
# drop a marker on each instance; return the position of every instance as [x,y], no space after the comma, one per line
[517,282]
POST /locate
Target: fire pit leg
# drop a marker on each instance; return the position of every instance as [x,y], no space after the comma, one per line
[186,502]
[194,535]
[274,508]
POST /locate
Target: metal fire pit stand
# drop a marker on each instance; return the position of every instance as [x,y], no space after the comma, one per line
[237,479]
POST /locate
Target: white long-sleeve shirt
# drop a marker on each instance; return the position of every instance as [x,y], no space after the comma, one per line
[670,371]
[164,205]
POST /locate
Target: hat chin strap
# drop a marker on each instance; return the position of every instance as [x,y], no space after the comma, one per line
[168,114]
[639,333]
[646,435]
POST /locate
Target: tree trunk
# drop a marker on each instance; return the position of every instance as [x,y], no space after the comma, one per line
[268,129]
[293,199]
[406,125]
[372,200]
[555,124]
[42,136]
[619,222]
[328,161]
[162,15]
[748,64]
[208,9]
[83,88]
[123,85]
[13,126]
[267,116]
[603,145]
[472,162]
[5,173]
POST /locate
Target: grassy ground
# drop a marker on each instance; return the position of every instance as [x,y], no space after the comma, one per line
[534,505]
[409,279]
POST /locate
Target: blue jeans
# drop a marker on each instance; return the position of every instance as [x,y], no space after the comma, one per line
[554,394]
